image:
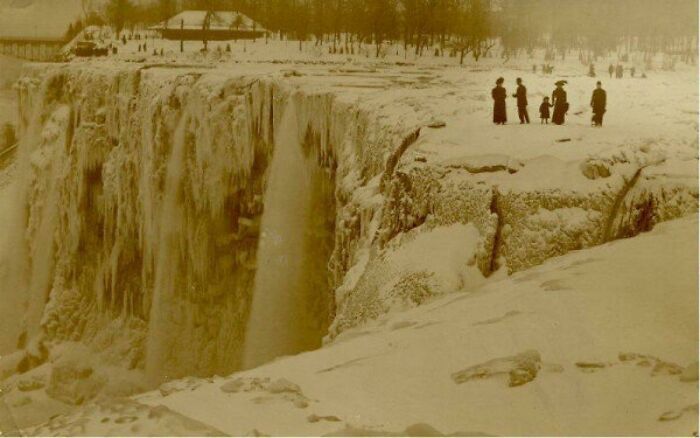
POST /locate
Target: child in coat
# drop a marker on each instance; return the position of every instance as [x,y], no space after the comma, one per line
[544,111]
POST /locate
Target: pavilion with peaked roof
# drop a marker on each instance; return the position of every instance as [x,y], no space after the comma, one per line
[223,26]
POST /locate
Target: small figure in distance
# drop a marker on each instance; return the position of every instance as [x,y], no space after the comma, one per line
[500,116]
[521,95]
[591,70]
[599,103]
[544,111]
[561,103]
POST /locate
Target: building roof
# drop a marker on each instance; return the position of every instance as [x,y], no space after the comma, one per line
[222,20]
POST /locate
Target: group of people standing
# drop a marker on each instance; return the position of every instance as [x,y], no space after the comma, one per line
[559,102]
[619,71]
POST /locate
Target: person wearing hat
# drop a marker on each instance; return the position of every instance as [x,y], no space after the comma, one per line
[599,103]
[500,117]
[561,104]
[521,95]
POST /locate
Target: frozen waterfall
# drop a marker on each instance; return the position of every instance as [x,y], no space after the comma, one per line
[289,309]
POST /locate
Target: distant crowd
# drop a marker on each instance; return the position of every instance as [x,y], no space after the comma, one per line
[559,102]
[616,71]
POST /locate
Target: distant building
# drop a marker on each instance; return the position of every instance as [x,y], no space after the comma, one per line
[35,30]
[32,49]
[224,25]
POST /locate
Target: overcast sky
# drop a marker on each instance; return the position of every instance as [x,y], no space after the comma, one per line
[37,18]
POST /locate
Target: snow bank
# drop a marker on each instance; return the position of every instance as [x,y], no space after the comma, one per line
[413,268]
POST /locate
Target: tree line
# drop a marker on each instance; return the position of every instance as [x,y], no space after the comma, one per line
[463,27]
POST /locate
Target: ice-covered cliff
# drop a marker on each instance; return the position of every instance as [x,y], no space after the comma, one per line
[148,197]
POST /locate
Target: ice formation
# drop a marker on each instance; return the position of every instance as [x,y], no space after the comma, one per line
[290,307]
[149,197]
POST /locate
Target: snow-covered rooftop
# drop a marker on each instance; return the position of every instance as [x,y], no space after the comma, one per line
[221,20]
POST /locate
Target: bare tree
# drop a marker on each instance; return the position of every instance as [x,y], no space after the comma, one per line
[210,7]
[473,26]
[86,6]
[474,30]
[382,21]
[119,12]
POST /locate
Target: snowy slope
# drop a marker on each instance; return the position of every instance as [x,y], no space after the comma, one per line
[598,342]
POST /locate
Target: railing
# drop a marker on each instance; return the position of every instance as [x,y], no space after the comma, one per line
[31,49]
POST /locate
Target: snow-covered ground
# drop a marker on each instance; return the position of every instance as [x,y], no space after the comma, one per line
[661,108]
[597,342]
[138,200]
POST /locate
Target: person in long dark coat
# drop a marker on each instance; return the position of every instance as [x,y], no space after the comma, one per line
[521,95]
[561,104]
[500,117]
[599,103]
